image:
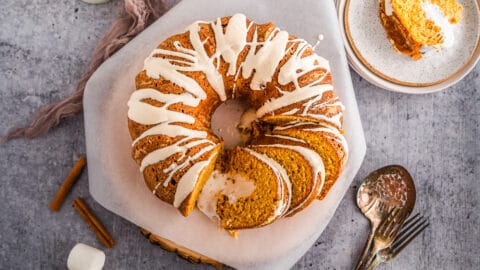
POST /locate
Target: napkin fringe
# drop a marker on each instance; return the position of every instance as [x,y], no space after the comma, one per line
[137,15]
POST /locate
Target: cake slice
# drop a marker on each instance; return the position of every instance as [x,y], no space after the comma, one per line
[303,166]
[249,190]
[325,140]
[412,26]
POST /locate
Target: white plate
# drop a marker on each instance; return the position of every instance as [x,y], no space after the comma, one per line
[114,178]
[373,57]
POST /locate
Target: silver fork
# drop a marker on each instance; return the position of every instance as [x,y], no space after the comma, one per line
[386,233]
[411,229]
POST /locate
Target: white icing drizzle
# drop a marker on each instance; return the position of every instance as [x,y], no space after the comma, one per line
[285,137]
[176,166]
[315,161]
[335,119]
[230,44]
[233,186]
[388,7]
[291,112]
[189,180]
[147,114]
[164,119]
[171,130]
[320,37]
[264,61]
[338,136]
[291,124]
[434,13]
[305,126]
[157,66]
[282,180]
[289,98]
[295,67]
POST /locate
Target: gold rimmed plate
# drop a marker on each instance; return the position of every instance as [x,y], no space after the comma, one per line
[372,56]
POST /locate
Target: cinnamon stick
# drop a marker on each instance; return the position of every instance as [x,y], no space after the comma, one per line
[93,223]
[67,184]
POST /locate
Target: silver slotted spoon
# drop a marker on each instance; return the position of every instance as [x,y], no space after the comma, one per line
[383,190]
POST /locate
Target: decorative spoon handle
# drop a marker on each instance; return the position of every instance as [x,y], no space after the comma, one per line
[367,248]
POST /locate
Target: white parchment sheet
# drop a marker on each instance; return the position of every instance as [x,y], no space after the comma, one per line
[115,180]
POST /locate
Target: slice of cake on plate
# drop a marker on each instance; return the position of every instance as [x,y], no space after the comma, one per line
[416,26]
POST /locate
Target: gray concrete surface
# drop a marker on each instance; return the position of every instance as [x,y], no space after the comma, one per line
[45,46]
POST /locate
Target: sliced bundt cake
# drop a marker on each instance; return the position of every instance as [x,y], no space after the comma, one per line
[290,91]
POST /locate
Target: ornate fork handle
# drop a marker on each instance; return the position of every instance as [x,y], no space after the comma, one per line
[382,207]
[385,235]
[411,229]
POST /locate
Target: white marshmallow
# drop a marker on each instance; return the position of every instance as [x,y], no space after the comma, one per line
[84,257]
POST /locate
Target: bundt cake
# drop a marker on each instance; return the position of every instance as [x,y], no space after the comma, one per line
[295,151]
[413,26]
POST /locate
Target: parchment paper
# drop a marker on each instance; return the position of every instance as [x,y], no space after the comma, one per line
[114,178]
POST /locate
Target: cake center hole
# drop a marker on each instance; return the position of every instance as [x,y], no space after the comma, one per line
[232,120]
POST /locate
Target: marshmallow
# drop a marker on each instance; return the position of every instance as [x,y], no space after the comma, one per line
[84,257]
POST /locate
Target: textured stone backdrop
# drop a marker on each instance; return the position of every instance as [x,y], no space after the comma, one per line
[45,46]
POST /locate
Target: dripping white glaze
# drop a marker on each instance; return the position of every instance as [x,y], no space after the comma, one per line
[233,186]
[177,166]
[230,44]
[147,114]
[189,180]
[291,124]
[295,67]
[434,13]
[264,61]
[388,7]
[338,137]
[320,37]
[285,137]
[163,121]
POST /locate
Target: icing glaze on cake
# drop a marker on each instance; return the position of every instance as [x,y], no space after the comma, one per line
[289,88]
